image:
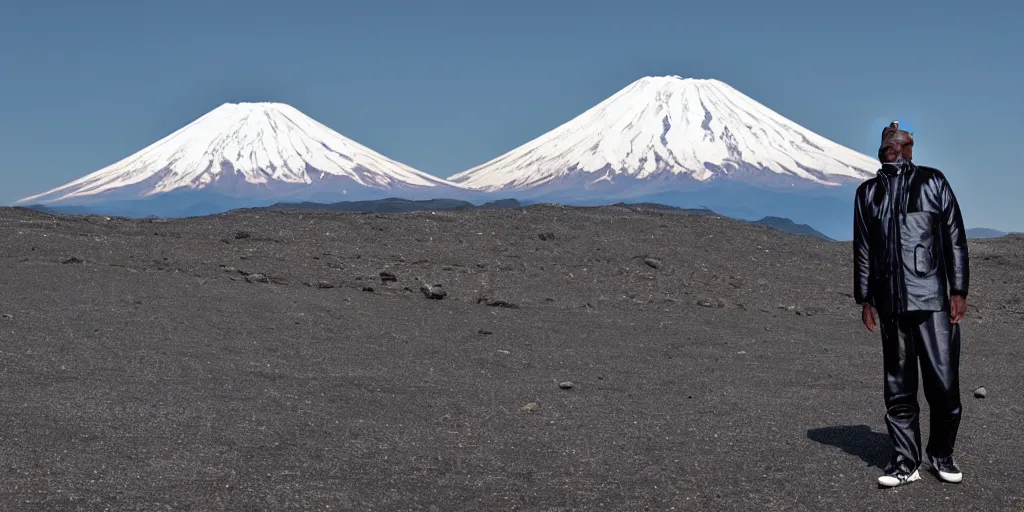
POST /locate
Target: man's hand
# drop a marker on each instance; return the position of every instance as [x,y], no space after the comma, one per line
[868,316]
[957,308]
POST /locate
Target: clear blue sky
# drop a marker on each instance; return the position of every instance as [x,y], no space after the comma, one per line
[446,85]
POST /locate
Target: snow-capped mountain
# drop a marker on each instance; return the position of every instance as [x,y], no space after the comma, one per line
[253,151]
[663,132]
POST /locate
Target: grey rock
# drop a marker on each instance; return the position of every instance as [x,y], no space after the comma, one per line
[435,292]
[530,407]
[980,392]
[257,278]
[497,303]
[566,385]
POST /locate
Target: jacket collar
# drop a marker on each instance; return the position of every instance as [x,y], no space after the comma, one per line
[890,169]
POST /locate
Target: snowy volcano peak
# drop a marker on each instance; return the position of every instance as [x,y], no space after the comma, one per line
[668,126]
[246,148]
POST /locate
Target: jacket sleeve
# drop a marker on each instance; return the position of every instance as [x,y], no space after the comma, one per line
[954,243]
[861,251]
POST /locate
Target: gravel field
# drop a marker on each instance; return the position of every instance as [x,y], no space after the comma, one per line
[545,358]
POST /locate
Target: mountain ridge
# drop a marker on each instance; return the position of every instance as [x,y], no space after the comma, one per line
[401,205]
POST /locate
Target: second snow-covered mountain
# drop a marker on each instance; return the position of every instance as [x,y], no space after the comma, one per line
[663,132]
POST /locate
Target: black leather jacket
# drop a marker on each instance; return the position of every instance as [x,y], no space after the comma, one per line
[909,241]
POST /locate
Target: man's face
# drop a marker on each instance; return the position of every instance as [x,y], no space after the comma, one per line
[891,151]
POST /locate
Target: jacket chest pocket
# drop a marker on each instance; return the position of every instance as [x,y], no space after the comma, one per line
[919,243]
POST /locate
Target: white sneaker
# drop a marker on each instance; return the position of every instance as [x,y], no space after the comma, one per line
[896,476]
[947,469]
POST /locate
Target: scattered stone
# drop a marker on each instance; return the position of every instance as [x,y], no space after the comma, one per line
[496,303]
[7,316]
[242,235]
[73,260]
[485,332]
[435,292]
[368,289]
[530,407]
[708,303]
[566,385]
[257,278]
[980,392]
[653,263]
[388,277]
[506,352]
[325,285]
[230,269]
[546,236]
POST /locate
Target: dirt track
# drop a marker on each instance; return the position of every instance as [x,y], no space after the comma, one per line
[236,362]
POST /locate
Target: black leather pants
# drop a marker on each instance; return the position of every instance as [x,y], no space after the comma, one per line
[934,340]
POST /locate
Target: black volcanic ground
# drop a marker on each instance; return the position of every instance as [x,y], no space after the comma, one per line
[236,362]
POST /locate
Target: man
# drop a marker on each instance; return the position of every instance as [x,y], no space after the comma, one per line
[911,269]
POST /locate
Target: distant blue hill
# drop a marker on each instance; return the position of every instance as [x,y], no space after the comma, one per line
[985,233]
[791,227]
[396,205]
[830,211]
